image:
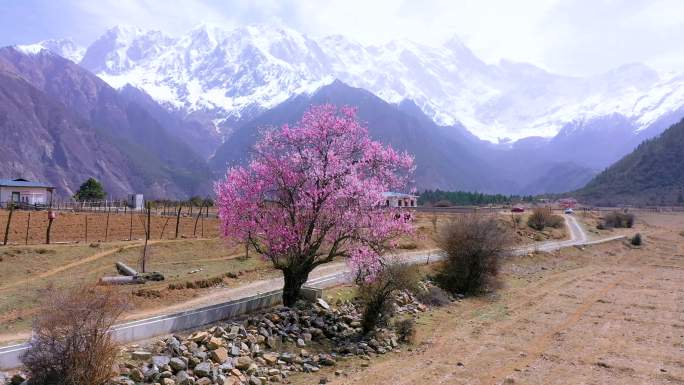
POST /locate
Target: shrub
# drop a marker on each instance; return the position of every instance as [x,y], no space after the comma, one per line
[618,220]
[542,218]
[406,329]
[636,240]
[71,344]
[376,292]
[433,296]
[473,245]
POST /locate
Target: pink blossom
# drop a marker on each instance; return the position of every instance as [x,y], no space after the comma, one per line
[313,192]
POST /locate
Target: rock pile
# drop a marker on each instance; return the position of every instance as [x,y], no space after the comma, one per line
[264,348]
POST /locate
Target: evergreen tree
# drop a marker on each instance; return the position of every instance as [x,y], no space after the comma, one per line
[90,190]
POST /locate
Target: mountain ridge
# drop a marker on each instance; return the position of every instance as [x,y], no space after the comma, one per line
[231,75]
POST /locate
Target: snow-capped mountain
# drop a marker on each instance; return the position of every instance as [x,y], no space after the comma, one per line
[226,75]
[65,48]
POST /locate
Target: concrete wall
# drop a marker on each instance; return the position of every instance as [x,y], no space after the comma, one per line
[30,195]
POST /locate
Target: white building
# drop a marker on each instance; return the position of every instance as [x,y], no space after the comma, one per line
[395,199]
[24,191]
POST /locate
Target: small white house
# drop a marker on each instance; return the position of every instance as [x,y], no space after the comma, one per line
[395,199]
[24,191]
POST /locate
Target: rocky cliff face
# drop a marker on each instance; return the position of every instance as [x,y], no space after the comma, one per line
[62,124]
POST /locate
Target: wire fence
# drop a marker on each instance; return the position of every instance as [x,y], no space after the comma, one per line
[68,221]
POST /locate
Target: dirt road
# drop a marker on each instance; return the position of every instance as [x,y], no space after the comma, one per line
[608,314]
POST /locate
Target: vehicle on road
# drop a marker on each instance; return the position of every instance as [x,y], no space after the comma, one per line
[569,211]
[518,210]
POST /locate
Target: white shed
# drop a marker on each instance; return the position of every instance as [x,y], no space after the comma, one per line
[22,191]
[395,199]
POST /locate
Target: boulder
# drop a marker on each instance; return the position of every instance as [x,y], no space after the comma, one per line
[160,360]
[202,369]
[219,355]
[243,362]
[214,343]
[177,364]
[183,378]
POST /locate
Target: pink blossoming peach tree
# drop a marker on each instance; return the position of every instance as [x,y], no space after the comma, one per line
[312,193]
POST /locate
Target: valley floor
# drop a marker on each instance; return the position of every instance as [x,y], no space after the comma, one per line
[605,314]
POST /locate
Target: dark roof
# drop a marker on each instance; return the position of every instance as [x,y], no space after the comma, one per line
[22,183]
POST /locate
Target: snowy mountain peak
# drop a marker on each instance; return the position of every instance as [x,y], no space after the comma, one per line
[232,74]
[122,47]
[65,48]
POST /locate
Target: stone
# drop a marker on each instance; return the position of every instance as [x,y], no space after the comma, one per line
[243,362]
[168,381]
[270,358]
[300,343]
[287,357]
[219,355]
[234,350]
[232,380]
[204,381]
[199,336]
[183,378]
[326,359]
[321,302]
[160,360]
[202,369]
[136,375]
[271,342]
[177,364]
[141,355]
[214,343]
[254,380]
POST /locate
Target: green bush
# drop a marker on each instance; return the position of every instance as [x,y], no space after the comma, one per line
[636,240]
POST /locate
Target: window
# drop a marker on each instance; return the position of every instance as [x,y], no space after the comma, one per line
[387,202]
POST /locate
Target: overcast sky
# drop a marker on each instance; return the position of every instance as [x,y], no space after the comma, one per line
[574,37]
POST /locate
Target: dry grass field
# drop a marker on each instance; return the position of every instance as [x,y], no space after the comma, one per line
[27,270]
[606,314]
[70,227]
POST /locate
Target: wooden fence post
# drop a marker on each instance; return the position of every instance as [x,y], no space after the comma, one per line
[86,228]
[107,226]
[47,234]
[180,207]
[194,229]
[130,229]
[203,221]
[28,226]
[9,219]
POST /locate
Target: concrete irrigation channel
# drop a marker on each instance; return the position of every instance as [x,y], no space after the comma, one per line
[10,356]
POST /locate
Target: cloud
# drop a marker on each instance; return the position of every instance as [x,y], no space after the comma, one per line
[565,36]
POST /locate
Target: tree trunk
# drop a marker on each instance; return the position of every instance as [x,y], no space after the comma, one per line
[294,279]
